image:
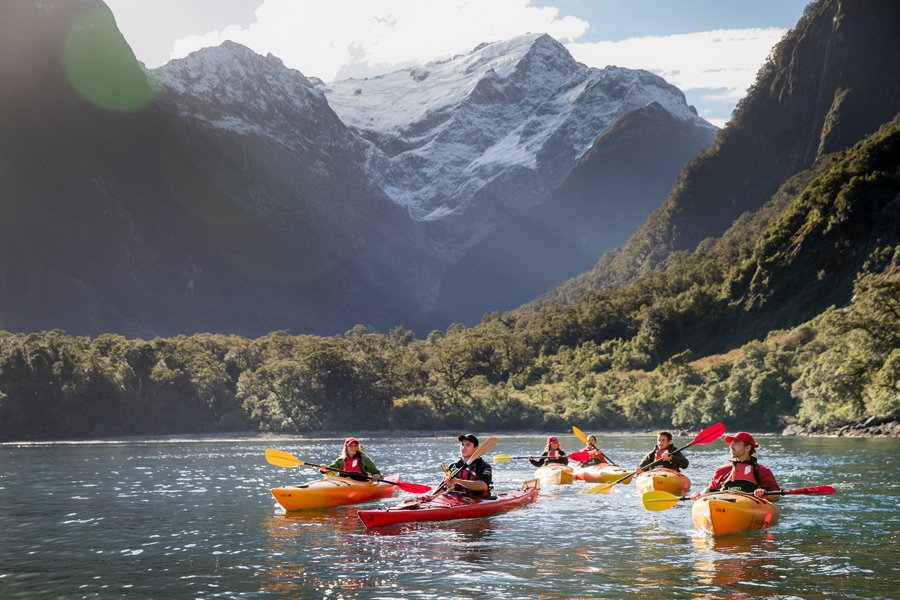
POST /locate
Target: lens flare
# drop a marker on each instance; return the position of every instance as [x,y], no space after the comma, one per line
[101,66]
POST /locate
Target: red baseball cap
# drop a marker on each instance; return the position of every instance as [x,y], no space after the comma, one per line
[349,441]
[741,436]
[552,439]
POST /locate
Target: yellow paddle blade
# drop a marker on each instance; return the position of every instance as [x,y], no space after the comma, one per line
[579,435]
[603,488]
[502,458]
[282,459]
[659,500]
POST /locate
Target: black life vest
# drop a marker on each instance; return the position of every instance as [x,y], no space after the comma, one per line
[469,474]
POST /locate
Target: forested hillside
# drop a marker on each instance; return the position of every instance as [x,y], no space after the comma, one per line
[814,276]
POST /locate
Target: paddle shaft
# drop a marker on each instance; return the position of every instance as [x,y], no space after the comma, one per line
[820,490]
[576,456]
[403,485]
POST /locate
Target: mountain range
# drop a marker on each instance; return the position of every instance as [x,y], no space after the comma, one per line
[226,192]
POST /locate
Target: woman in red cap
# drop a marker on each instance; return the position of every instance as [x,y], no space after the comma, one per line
[743,472]
[354,460]
[552,454]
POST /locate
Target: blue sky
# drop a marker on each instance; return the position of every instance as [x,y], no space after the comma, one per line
[711,49]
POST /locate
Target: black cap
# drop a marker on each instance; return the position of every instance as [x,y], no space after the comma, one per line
[470,437]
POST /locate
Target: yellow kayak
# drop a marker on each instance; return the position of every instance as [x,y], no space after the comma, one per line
[555,473]
[332,491]
[663,480]
[721,513]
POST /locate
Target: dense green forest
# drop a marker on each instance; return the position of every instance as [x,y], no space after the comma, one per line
[793,316]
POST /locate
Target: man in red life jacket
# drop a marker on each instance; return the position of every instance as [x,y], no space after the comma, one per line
[476,478]
[743,472]
[663,450]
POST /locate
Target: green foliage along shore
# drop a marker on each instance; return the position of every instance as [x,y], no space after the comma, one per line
[792,317]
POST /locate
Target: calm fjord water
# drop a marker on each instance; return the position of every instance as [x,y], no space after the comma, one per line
[197,520]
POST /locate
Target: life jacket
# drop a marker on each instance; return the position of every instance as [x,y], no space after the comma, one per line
[596,456]
[353,464]
[659,453]
[469,474]
[743,477]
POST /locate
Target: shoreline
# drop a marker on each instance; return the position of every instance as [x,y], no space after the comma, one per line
[870,428]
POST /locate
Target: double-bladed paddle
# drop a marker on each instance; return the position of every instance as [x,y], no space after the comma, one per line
[576,456]
[706,436]
[580,435]
[659,500]
[283,459]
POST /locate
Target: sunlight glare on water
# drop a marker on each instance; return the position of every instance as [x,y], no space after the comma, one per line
[179,519]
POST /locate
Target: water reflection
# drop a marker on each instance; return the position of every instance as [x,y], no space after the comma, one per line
[742,564]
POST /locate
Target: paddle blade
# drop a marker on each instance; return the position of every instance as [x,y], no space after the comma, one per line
[579,456]
[415,488]
[813,491]
[603,488]
[659,500]
[282,459]
[579,435]
[710,434]
[502,458]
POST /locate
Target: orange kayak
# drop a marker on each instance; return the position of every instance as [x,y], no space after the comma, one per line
[604,473]
[663,480]
[555,473]
[332,491]
[721,513]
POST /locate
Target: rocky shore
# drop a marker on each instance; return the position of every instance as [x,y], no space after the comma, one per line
[871,427]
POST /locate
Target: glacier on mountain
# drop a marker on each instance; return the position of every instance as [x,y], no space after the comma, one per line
[523,109]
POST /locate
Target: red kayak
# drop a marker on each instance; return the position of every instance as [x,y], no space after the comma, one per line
[448,507]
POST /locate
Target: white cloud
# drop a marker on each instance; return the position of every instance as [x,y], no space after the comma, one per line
[342,38]
[722,59]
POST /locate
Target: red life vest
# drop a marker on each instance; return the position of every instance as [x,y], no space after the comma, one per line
[743,477]
[353,464]
[596,456]
[659,453]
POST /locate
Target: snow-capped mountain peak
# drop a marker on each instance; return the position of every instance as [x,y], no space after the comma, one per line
[492,131]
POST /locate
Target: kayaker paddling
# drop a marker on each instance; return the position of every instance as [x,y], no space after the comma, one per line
[743,473]
[596,455]
[353,459]
[474,479]
[665,452]
[553,454]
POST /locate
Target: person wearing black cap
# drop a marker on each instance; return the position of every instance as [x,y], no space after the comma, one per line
[552,454]
[474,479]
[743,472]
